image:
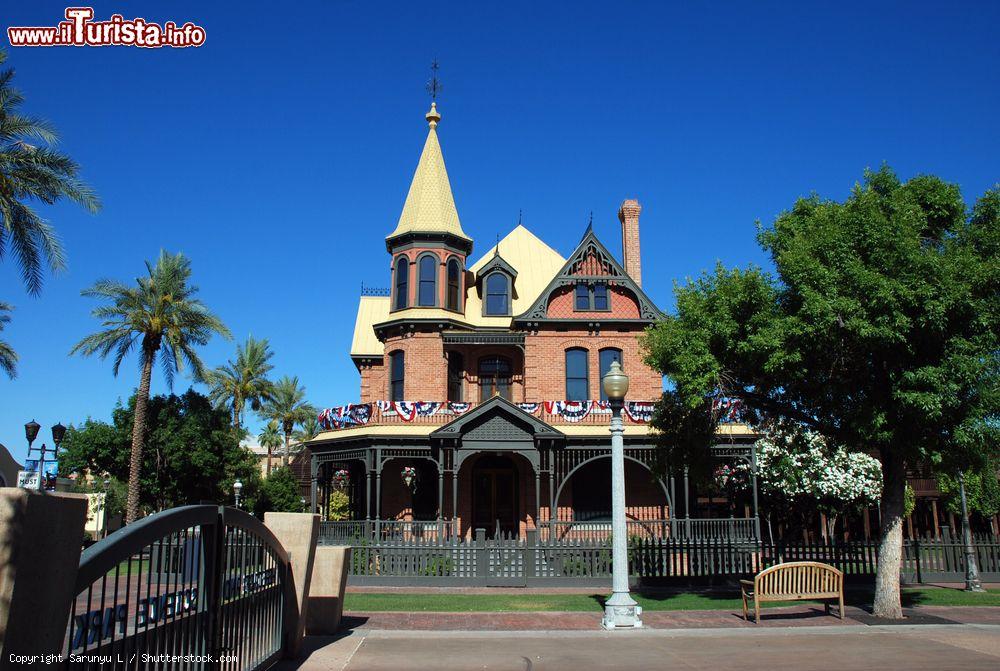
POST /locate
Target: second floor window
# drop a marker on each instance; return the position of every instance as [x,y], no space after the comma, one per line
[427,295]
[397,373]
[456,373]
[608,355]
[402,282]
[454,284]
[577,379]
[494,377]
[497,295]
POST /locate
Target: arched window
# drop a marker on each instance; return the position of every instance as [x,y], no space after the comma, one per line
[402,283]
[456,373]
[397,375]
[427,294]
[608,355]
[494,377]
[577,379]
[497,295]
[454,284]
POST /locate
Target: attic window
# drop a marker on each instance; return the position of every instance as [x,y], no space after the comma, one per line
[591,298]
[497,300]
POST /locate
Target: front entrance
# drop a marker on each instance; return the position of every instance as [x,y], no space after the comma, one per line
[495,496]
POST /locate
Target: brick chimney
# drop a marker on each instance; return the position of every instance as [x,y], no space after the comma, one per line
[628,214]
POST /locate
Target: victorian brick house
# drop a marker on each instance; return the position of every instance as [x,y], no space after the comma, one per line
[480,398]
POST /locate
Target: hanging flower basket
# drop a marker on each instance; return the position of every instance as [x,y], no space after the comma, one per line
[341,478]
[410,477]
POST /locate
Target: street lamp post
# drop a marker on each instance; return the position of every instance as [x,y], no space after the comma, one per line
[620,610]
[104,523]
[237,488]
[972,581]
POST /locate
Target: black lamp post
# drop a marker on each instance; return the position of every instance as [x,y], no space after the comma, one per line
[972,581]
[104,523]
[31,432]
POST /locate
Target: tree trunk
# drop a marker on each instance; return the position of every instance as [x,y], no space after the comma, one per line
[887,603]
[831,527]
[284,457]
[138,431]
[270,454]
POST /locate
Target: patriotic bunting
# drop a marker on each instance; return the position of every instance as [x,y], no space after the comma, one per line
[639,412]
[727,409]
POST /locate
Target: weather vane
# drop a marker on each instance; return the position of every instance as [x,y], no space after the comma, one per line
[434,84]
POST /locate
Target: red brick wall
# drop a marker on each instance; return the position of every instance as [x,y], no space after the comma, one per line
[623,305]
[545,363]
[426,369]
[374,380]
[628,215]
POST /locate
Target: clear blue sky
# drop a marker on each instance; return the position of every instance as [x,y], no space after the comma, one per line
[290,138]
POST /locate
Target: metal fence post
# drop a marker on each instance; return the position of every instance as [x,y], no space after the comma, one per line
[214,544]
[482,558]
[916,559]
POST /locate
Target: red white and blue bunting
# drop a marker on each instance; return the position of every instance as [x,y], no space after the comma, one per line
[727,409]
[359,414]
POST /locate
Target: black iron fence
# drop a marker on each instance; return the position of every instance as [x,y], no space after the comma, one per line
[196,587]
[538,561]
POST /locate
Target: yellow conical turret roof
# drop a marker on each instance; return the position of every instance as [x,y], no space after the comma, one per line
[430,206]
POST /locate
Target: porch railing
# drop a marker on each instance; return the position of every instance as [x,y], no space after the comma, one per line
[346,532]
[736,529]
[440,413]
[349,532]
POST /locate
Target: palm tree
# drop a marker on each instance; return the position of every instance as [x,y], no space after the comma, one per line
[8,357]
[160,315]
[235,384]
[288,407]
[270,438]
[310,429]
[32,172]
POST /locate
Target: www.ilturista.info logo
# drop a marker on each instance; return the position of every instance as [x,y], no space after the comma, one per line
[80,30]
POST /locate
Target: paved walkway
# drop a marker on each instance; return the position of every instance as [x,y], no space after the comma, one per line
[795,616]
[855,647]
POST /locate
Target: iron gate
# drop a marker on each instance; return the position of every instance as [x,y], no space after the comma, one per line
[195,587]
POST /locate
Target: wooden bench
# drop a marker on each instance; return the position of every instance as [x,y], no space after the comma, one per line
[794,581]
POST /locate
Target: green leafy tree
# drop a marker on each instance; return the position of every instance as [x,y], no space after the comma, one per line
[8,357]
[115,495]
[31,171]
[880,331]
[288,407]
[982,491]
[244,381]
[310,429]
[270,438]
[192,455]
[279,492]
[161,316]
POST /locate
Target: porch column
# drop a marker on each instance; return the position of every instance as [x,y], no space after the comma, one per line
[313,472]
[368,493]
[440,502]
[538,497]
[454,493]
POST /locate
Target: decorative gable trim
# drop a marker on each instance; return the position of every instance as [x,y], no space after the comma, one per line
[498,406]
[578,268]
[496,263]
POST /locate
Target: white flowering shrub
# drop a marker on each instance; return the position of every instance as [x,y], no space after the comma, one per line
[801,470]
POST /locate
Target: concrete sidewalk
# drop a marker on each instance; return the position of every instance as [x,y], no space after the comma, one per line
[910,647]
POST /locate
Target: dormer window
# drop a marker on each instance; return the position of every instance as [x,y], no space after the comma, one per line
[497,296]
[402,283]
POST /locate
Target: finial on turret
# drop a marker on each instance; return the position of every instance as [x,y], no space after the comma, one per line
[433,117]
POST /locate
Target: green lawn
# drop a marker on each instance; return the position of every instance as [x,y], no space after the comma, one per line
[437,602]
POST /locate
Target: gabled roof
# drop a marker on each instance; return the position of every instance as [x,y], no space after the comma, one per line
[496,262]
[430,205]
[615,274]
[496,405]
